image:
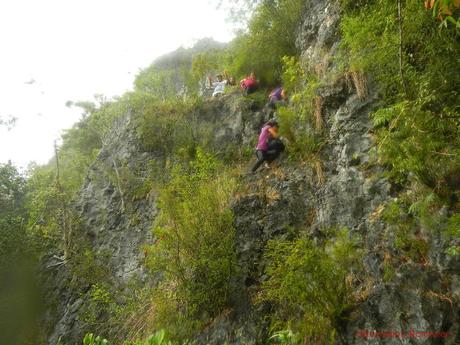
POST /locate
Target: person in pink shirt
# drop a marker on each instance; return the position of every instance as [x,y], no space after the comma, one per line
[268,147]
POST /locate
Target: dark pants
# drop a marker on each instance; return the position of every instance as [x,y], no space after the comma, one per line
[273,104]
[261,157]
[265,156]
[249,90]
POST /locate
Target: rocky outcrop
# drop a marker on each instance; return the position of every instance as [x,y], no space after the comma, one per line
[113,227]
[115,223]
[352,195]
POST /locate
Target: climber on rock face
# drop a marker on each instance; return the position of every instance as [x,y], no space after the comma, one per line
[269,146]
[249,84]
[277,97]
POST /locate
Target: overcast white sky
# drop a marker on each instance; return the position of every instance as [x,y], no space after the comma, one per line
[52,51]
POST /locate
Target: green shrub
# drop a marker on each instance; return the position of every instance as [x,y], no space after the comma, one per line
[307,284]
[301,121]
[416,211]
[161,84]
[286,337]
[90,268]
[417,126]
[100,301]
[159,338]
[254,101]
[172,127]
[90,339]
[407,240]
[194,249]
[452,229]
[91,273]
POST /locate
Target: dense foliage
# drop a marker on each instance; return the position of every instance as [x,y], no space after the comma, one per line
[311,285]
[417,126]
[13,215]
[301,120]
[194,250]
[19,296]
[269,37]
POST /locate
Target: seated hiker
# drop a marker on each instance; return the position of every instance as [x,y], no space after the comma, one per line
[269,146]
[219,86]
[277,96]
[249,84]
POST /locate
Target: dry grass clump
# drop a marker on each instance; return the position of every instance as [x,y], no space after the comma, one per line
[359,82]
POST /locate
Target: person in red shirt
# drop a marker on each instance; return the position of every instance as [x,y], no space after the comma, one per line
[249,84]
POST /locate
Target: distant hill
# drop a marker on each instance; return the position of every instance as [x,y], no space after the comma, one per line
[170,74]
[182,55]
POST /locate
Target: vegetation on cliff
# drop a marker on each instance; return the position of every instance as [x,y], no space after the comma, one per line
[413,61]
[399,50]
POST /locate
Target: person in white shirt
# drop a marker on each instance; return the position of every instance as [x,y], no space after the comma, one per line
[219,86]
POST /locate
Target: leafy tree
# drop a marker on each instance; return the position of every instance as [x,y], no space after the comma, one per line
[13,215]
[43,208]
[19,299]
[270,36]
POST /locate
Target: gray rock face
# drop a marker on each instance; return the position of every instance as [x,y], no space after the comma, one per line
[318,35]
[114,225]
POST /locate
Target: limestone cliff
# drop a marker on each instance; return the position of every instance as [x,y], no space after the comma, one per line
[348,191]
